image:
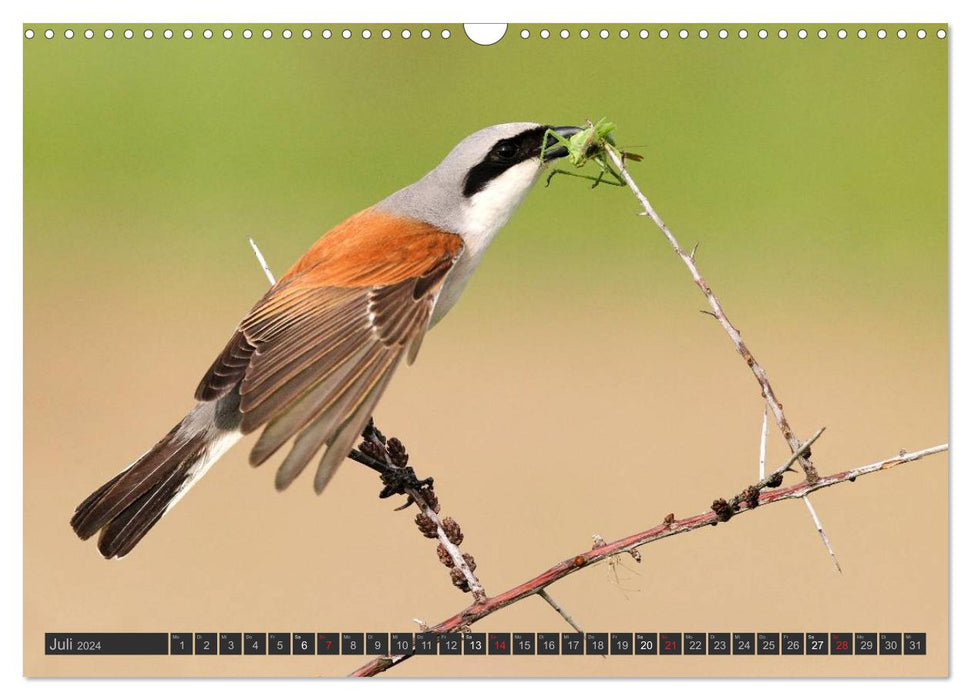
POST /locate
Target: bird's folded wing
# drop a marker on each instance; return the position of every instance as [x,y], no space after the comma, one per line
[314,355]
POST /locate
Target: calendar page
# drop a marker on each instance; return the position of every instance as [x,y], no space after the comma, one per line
[516,350]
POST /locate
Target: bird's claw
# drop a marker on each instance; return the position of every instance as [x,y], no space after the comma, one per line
[399,480]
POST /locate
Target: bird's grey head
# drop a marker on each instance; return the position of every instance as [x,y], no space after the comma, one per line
[479,184]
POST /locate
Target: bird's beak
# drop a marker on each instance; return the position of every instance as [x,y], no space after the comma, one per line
[553,149]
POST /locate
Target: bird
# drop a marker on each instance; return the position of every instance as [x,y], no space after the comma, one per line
[311,359]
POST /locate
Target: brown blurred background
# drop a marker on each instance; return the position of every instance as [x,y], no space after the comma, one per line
[575,390]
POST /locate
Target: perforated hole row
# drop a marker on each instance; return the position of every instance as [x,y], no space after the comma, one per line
[741,33]
[622,33]
[245,34]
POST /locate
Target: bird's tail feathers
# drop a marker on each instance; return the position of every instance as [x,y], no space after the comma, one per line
[126,507]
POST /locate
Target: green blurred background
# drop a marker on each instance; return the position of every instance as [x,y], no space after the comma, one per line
[814,172]
[818,154]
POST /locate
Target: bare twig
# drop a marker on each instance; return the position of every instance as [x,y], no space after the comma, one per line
[262,261]
[822,533]
[668,528]
[809,505]
[762,441]
[544,594]
[760,375]
[775,478]
[799,450]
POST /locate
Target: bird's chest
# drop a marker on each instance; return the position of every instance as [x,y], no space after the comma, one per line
[487,213]
[455,283]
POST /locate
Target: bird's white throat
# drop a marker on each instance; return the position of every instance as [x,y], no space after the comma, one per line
[485,213]
[488,211]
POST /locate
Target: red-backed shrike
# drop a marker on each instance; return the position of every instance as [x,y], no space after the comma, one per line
[311,359]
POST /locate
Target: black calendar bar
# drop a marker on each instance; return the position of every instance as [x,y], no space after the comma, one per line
[105,643]
[632,644]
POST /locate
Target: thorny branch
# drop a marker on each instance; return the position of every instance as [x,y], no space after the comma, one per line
[722,511]
[719,313]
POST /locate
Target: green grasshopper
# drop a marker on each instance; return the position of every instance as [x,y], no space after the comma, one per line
[588,145]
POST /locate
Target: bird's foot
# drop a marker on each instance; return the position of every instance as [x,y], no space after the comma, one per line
[401,480]
[390,459]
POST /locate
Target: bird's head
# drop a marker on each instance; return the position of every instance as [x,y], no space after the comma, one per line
[479,184]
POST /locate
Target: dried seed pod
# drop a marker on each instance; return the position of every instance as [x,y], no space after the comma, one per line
[669,519]
[458,579]
[373,450]
[371,433]
[775,481]
[635,555]
[751,497]
[432,499]
[723,511]
[397,453]
[426,525]
[469,561]
[368,431]
[452,531]
[444,556]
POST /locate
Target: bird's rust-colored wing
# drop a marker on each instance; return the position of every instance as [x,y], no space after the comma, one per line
[313,356]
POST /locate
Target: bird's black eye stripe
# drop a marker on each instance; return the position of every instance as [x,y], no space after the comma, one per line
[504,154]
[506,149]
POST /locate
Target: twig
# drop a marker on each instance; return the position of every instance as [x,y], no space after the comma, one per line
[458,559]
[719,312]
[822,533]
[668,528]
[544,594]
[762,441]
[416,495]
[262,261]
[812,511]
[799,450]
[775,478]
